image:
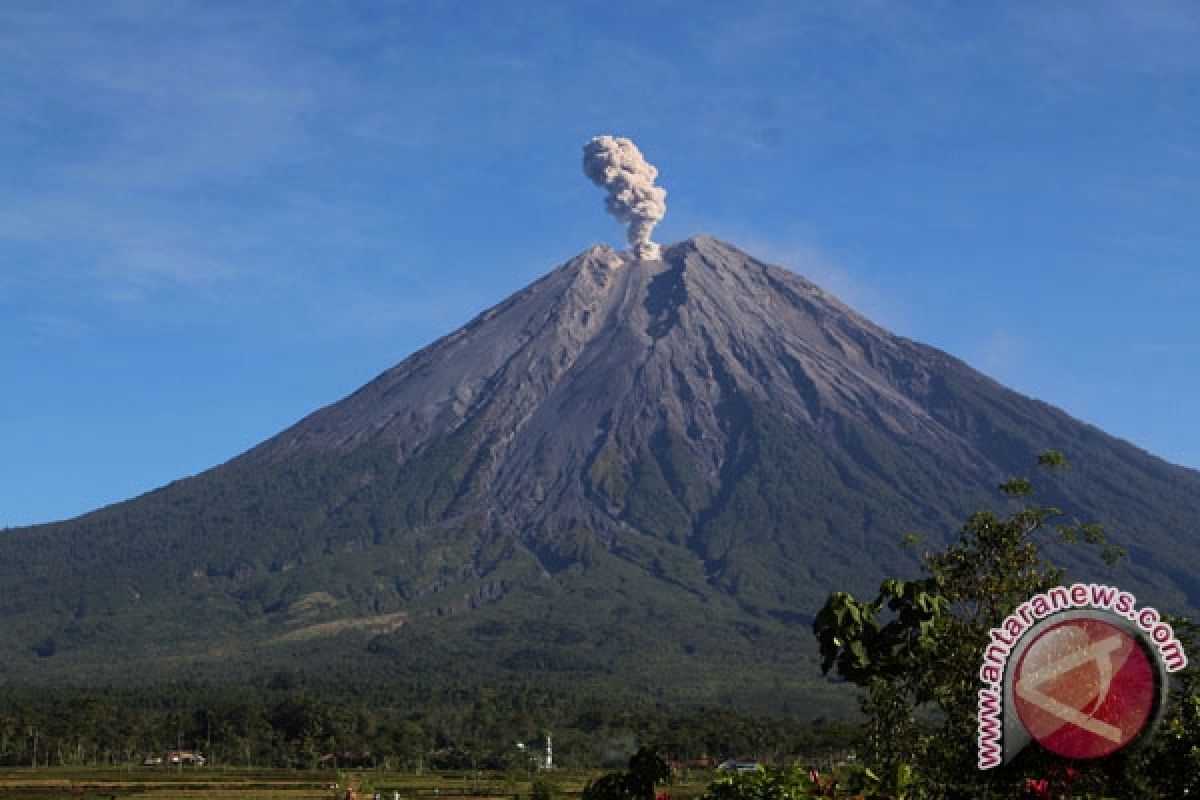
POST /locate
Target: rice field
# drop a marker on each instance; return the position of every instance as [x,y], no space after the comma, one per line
[218,783]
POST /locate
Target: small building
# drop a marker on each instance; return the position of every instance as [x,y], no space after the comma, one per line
[184,758]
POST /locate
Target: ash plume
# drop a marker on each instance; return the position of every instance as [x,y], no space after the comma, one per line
[616,165]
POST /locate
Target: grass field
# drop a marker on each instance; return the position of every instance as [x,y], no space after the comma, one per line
[219,783]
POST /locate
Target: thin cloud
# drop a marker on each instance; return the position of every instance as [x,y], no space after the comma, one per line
[149,97]
[150,111]
[1083,47]
[809,260]
[111,245]
[1149,348]
[57,327]
[999,355]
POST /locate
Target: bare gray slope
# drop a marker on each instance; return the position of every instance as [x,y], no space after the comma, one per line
[606,350]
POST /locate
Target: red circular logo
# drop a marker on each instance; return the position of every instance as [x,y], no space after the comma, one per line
[1084,688]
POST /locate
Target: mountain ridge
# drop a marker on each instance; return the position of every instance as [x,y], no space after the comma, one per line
[565,484]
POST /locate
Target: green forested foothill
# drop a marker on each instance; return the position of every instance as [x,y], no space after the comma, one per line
[364,566]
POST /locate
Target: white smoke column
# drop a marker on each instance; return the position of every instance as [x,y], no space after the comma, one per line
[614,163]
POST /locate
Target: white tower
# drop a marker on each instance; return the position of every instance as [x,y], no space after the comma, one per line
[549,753]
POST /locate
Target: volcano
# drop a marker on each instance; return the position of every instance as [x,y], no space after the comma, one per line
[646,474]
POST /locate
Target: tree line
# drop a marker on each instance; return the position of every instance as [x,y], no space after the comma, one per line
[287,721]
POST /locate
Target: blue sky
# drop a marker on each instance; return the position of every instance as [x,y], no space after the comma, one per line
[218,217]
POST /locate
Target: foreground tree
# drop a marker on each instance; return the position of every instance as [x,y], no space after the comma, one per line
[793,783]
[916,648]
[1170,767]
[646,770]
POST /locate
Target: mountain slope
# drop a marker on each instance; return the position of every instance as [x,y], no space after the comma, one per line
[627,471]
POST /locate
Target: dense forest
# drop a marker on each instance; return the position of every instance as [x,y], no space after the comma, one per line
[287,721]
